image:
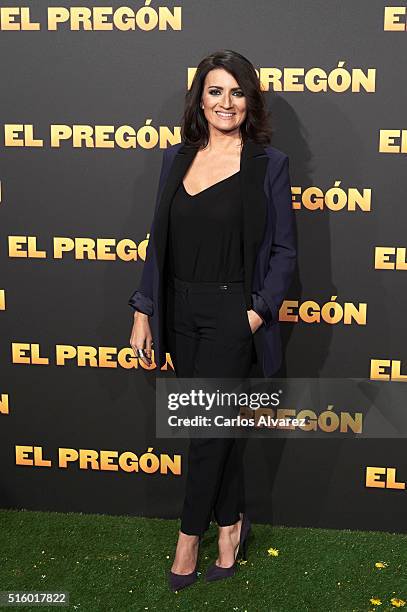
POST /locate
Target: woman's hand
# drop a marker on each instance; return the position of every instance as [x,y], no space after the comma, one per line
[255,320]
[141,336]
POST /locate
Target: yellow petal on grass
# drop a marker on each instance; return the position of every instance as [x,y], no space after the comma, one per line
[273,552]
[375,601]
[397,603]
[242,561]
[381,564]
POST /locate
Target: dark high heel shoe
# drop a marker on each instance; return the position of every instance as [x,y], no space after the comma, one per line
[215,572]
[180,581]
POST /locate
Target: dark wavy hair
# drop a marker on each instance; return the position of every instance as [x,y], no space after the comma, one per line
[257,125]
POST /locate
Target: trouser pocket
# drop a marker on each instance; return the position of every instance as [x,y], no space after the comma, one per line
[245,315]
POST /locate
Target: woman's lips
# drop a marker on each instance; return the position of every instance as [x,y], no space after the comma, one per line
[225,115]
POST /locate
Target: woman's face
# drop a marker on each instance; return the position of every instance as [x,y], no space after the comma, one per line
[223,102]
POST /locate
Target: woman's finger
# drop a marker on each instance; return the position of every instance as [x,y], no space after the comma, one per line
[149,344]
[146,356]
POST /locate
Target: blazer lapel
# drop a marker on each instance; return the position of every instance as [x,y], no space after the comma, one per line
[179,167]
[253,166]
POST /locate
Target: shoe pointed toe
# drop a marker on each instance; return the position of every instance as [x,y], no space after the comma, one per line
[180,581]
[214,572]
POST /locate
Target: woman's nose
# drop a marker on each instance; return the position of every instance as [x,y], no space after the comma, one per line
[227,102]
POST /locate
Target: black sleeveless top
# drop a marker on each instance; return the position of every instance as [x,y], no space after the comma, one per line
[205,235]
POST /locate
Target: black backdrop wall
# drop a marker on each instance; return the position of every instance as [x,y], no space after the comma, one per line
[77,198]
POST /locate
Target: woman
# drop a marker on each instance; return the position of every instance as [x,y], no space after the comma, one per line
[220,259]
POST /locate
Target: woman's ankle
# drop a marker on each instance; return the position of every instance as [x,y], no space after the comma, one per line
[187,536]
[186,553]
[230,528]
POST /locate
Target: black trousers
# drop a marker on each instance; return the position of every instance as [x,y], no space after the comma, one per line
[209,336]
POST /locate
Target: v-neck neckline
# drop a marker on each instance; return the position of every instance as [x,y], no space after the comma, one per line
[210,186]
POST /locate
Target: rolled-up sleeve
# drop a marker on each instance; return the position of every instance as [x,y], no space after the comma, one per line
[142,298]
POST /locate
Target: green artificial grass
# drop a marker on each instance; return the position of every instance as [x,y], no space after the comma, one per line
[120,563]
